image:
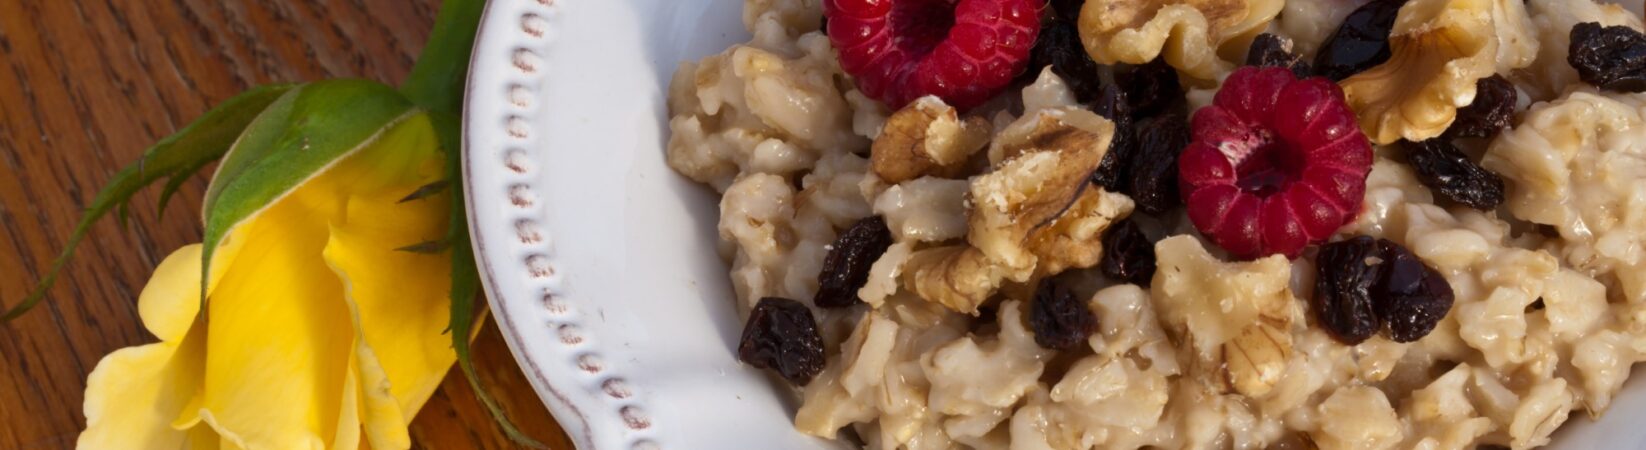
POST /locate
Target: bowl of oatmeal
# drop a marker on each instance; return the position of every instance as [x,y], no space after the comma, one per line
[1031,224]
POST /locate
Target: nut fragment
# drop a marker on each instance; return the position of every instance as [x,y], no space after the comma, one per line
[957,276]
[927,137]
[1192,34]
[1047,160]
[1208,302]
[1440,48]
[1256,358]
[1035,214]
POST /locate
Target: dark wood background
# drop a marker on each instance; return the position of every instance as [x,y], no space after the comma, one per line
[85,86]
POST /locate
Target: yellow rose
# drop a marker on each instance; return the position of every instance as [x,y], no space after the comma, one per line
[323,330]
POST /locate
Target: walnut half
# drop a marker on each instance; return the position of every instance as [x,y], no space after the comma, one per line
[1036,214]
[927,137]
[1198,37]
[1439,49]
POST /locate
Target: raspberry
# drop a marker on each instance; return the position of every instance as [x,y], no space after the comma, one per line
[1276,164]
[963,51]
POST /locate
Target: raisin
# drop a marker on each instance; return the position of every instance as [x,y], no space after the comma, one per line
[1059,47]
[1060,321]
[1360,43]
[1068,10]
[1152,173]
[1493,108]
[1612,58]
[1151,88]
[1342,301]
[1111,104]
[1444,168]
[1127,254]
[1270,50]
[1412,297]
[846,268]
[781,335]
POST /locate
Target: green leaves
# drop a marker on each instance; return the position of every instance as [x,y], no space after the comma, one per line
[297,137]
[175,159]
[437,84]
[466,280]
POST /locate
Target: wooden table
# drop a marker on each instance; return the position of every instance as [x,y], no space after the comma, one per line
[85,86]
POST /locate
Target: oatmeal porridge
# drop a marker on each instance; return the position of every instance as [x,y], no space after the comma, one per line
[1073,224]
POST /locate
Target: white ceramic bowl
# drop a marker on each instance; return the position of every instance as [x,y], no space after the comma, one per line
[600,262]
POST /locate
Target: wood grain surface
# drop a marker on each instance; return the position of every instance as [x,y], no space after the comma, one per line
[85,86]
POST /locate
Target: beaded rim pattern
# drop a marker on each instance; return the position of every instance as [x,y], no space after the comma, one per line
[529,27]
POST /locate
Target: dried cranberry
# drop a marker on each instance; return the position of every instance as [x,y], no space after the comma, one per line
[1059,47]
[1270,50]
[1060,321]
[846,268]
[1111,103]
[1152,173]
[1492,110]
[1127,254]
[1611,57]
[1342,302]
[1152,88]
[1360,43]
[1412,297]
[1444,168]
[781,335]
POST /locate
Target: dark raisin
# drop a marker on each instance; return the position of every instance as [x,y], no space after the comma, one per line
[1059,319]
[1412,297]
[1270,50]
[1151,88]
[1127,254]
[1059,47]
[1068,10]
[846,268]
[1493,108]
[1111,104]
[781,335]
[1612,57]
[1342,303]
[1152,173]
[1444,168]
[1360,43]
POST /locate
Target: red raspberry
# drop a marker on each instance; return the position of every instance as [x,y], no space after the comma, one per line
[963,51]
[1276,164]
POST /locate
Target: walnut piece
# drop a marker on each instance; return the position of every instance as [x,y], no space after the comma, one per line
[1439,49]
[1198,37]
[1208,302]
[1256,358]
[1035,214]
[957,276]
[927,137]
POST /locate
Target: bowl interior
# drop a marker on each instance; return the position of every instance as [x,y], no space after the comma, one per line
[635,290]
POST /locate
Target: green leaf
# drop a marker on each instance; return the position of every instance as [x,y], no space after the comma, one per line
[177,156]
[437,84]
[297,137]
[437,80]
[466,279]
